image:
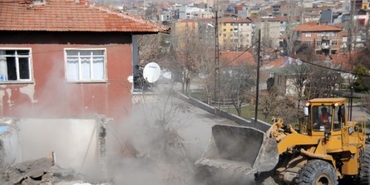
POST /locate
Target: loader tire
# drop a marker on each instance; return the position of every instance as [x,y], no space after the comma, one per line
[317,172]
[364,176]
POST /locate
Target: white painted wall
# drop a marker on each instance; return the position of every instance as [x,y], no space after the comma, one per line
[74,141]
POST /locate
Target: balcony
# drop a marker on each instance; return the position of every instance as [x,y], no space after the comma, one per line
[325,38]
[325,46]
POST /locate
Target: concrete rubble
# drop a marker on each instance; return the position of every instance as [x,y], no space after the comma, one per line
[41,170]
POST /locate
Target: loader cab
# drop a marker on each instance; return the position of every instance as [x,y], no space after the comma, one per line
[325,117]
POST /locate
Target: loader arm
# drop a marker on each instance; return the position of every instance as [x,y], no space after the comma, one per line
[294,139]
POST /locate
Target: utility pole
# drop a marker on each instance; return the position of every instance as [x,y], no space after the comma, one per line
[351,104]
[258,76]
[217,61]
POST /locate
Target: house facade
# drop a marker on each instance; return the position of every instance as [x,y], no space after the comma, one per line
[65,58]
[325,39]
[235,34]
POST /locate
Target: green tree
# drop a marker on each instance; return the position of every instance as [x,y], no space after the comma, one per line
[361,83]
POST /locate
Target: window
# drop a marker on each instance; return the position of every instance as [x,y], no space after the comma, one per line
[308,34]
[318,43]
[334,42]
[15,65]
[322,118]
[338,117]
[85,65]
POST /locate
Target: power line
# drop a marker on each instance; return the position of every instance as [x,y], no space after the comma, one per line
[240,54]
[325,67]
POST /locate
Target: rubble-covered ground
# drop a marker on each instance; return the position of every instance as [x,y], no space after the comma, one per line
[40,172]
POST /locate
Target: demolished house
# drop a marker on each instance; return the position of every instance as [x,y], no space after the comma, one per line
[36,151]
[62,63]
[67,58]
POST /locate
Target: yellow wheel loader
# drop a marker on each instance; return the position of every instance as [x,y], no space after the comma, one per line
[324,148]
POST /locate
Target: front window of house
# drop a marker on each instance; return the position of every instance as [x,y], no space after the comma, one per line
[15,65]
[84,65]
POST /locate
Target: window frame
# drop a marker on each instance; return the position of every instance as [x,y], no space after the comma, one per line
[105,76]
[30,66]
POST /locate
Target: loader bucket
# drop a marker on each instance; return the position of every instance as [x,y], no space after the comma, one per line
[240,149]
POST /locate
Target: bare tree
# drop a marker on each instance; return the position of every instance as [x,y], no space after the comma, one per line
[236,83]
[276,105]
[155,142]
[153,47]
[186,55]
[269,102]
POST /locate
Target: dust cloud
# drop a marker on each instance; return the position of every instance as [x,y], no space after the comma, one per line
[147,147]
[151,146]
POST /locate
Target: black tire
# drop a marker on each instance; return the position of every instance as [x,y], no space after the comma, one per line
[317,172]
[364,176]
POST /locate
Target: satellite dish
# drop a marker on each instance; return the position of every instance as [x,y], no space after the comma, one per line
[151,72]
[130,78]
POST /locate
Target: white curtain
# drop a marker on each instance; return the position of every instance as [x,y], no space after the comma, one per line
[85,68]
[3,66]
[72,69]
[98,68]
[85,65]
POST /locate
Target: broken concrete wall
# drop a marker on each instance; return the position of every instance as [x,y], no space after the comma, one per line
[76,143]
[9,143]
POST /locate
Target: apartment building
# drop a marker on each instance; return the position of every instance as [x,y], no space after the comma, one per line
[184,30]
[191,12]
[284,8]
[206,31]
[272,28]
[325,39]
[235,34]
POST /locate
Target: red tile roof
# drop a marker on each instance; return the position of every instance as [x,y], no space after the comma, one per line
[69,15]
[236,58]
[281,18]
[313,26]
[276,63]
[343,59]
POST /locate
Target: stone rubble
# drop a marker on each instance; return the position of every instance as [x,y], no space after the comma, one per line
[40,172]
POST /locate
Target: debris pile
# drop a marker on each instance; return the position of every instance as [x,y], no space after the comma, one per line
[38,172]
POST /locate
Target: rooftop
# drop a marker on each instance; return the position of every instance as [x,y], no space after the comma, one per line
[237,58]
[314,26]
[69,15]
